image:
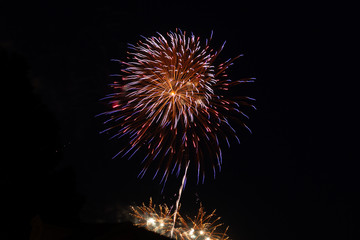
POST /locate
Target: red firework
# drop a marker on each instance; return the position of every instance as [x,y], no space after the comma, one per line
[171,101]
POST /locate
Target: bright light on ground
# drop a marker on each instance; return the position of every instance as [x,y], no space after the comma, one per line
[150,221]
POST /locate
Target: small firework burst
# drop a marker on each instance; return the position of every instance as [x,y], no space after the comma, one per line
[154,218]
[172,102]
[202,227]
[159,219]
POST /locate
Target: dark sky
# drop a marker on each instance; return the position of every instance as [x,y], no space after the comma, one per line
[293,178]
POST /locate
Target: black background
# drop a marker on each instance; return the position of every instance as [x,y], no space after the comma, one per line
[295,177]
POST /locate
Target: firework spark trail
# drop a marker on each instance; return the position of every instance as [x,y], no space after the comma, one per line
[178,200]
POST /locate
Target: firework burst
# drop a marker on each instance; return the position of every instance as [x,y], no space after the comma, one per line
[159,219]
[154,218]
[171,102]
[202,227]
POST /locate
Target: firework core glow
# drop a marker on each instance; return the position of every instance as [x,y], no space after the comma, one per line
[171,102]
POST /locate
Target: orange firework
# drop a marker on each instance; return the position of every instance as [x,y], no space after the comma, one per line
[171,102]
[202,227]
[159,219]
[154,218]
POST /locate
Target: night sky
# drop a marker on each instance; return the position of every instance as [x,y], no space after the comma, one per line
[295,177]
